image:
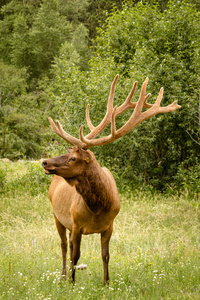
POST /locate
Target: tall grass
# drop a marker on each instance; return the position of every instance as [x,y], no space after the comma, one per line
[154,249]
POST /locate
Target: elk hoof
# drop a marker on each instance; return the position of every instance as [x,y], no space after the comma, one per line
[81,267]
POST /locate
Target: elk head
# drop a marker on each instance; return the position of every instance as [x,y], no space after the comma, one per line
[71,165]
[68,165]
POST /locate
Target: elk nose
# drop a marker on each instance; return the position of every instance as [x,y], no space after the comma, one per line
[44,163]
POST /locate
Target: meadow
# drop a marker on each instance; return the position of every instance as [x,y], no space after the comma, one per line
[154,249]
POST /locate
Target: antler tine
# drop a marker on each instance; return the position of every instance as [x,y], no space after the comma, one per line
[107,119]
[69,138]
[91,127]
[113,125]
[140,103]
[128,104]
[103,140]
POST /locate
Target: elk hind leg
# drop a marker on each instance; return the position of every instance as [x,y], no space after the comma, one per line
[62,232]
[105,238]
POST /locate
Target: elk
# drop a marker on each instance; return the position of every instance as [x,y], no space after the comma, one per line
[84,196]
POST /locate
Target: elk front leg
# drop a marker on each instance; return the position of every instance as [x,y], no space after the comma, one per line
[75,243]
[62,232]
[105,238]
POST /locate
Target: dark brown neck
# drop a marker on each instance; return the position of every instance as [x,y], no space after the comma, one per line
[94,187]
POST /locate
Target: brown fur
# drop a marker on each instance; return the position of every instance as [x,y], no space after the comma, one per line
[85,200]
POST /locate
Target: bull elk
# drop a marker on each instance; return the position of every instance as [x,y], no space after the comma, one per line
[84,196]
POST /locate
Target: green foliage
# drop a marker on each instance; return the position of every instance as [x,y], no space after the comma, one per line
[189,178]
[97,13]
[80,43]
[74,10]
[49,30]
[21,133]
[138,42]
[13,83]
[45,72]
[32,33]
[2,180]
[15,26]
[68,88]
[28,177]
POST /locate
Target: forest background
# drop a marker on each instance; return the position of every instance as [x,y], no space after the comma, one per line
[56,56]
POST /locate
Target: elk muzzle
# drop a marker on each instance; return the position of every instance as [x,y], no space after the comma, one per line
[47,168]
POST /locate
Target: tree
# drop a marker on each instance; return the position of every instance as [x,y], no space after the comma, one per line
[17,18]
[49,30]
[32,32]
[97,12]
[23,121]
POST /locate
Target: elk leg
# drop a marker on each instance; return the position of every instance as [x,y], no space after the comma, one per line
[71,250]
[70,247]
[75,242]
[62,232]
[105,238]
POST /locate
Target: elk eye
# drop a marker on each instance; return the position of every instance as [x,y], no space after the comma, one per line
[72,159]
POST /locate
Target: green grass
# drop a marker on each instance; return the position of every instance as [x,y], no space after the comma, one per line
[154,249]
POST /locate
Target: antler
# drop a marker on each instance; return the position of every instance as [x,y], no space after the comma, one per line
[69,138]
[136,118]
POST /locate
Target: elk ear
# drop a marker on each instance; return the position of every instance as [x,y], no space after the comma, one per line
[85,156]
[69,149]
[87,159]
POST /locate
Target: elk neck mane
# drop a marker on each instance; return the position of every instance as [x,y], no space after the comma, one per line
[94,185]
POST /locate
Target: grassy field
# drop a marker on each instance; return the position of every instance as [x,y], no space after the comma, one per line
[154,249]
